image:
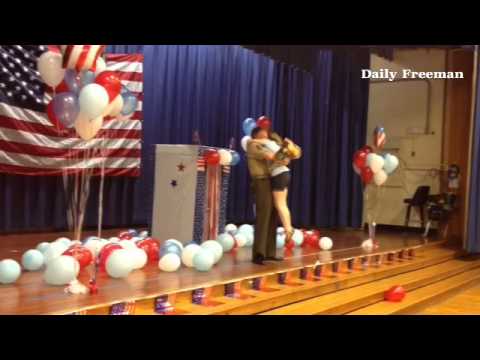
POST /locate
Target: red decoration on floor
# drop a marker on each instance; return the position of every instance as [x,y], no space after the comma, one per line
[105,253]
[151,246]
[81,254]
[92,286]
[395,294]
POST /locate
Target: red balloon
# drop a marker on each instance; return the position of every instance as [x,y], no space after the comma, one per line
[62,87]
[307,237]
[151,247]
[366,175]
[360,159]
[81,253]
[53,118]
[125,235]
[111,82]
[314,240]
[264,122]
[212,157]
[395,294]
[105,253]
[367,149]
[290,245]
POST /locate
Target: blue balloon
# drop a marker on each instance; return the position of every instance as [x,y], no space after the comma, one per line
[132,232]
[203,260]
[248,125]
[227,241]
[250,237]
[87,77]
[130,102]
[66,108]
[32,260]
[72,80]
[280,241]
[235,158]
[391,163]
[170,248]
[297,237]
[10,271]
[246,229]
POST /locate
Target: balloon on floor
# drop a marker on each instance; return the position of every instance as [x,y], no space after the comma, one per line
[10,271]
[227,241]
[203,260]
[33,260]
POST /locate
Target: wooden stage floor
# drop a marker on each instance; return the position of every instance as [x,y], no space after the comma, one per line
[31,295]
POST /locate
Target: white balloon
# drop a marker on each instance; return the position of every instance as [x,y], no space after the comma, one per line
[43,246]
[49,65]
[86,128]
[325,243]
[119,264]
[94,245]
[169,262]
[55,250]
[380,177]
[225,157]
[128,244]
[280,230]
[114,239]
[100,66]
[93,100]
[61,270]
[240,239]
[231,229]
[114,108]
[244,142]
[64,240]
[139,257]
[367,244]
[375,162]
[188,253]
[216,249]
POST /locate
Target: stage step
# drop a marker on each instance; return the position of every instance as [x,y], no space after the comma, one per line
[349,300]
[419,299]
[276,295]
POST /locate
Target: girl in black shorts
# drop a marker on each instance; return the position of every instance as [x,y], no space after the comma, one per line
[280,180]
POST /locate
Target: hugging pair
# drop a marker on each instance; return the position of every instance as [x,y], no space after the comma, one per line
[268,158]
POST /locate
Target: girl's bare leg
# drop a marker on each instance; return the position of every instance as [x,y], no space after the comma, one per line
[280,202]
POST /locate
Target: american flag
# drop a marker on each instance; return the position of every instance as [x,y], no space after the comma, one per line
[31,145]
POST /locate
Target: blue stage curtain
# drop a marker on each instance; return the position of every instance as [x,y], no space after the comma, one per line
[212,88]
[473,227]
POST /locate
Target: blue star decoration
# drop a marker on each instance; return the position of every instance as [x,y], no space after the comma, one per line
[173,183]
[181,167]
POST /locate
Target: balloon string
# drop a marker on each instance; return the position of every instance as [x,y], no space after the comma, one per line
[100,194]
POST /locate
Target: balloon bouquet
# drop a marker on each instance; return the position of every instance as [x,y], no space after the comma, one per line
[84,91]
[374,169]
[249,124]
[84,94]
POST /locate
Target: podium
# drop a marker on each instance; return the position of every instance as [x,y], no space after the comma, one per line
[189,196]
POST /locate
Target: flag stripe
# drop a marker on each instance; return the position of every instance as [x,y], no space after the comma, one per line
[31,171]
[67,143]
[34,161]
[51,131]
[36,150]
